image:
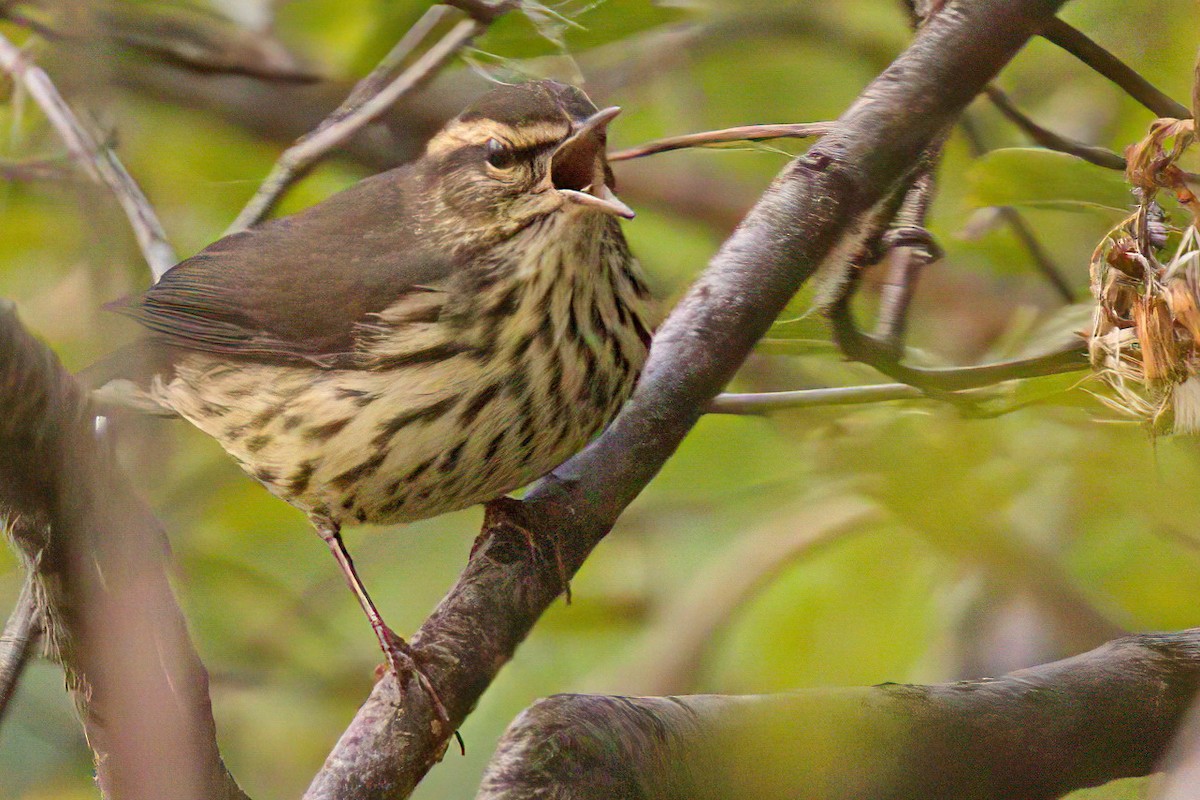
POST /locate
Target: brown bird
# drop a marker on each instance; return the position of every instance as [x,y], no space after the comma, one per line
[431,338]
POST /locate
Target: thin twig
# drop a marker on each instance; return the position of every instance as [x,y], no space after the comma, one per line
[34,170]
[742,133]
[378,79]
[921,383]
[100,162]
[911,249]
[1041,259]
[357,112]
[938,382]
[1079,45]
[1100,156]
[21,633]
[761,403]
[1016,222]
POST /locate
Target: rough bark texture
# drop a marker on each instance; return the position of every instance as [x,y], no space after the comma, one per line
[1034,734]
[810,219]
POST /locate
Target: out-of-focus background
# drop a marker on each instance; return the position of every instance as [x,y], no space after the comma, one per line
[832,546]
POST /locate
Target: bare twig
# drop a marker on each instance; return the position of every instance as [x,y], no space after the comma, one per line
[486,11]
[377,80]
[1079,45]
[1041,259]
[34,170]
[768,402]
[1100,156]
[100,162]
[1020,228]
[742,133]
[17,642]
[939,381]
[910,249]
[365,104]
[922,383]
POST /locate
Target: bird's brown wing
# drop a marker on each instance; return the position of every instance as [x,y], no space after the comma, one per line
[296,289]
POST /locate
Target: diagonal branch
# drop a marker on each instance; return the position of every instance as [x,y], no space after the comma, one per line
[810,220]
[100,162]
[1017,224]
[1079,45]
[1100,156]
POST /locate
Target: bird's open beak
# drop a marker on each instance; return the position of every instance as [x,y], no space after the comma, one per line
[579,170]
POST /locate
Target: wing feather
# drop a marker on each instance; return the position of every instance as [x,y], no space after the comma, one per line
[299,288]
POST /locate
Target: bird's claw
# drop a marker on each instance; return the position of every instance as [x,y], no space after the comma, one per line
[402,660]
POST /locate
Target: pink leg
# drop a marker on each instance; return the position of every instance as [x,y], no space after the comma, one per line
[400,656]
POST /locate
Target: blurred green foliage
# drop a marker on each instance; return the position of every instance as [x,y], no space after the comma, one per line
[996,531]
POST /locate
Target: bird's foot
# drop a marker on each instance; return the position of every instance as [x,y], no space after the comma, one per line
[402,661]
[509,514]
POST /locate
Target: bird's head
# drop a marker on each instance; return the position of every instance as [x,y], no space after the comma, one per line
[522,152]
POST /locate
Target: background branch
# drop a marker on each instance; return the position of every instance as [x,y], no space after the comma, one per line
[1017,223]
[1100,156]
[1114,710]
[1089,52]
[370,98]
[100,162]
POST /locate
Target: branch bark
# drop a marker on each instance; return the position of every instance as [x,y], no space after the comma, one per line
[99,559]
[811,219]
[1033,734]
[21,633]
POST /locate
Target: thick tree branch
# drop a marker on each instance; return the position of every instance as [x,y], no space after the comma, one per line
[99,559]
[810,220]
[1034,734]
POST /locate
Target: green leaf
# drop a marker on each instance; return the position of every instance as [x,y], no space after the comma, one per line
[1038,178]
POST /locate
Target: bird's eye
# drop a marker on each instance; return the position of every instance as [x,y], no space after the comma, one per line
[499,155]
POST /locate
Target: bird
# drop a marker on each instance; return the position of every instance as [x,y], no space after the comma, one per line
[430,338]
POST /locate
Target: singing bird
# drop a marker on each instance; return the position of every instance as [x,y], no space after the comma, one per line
[430,338]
